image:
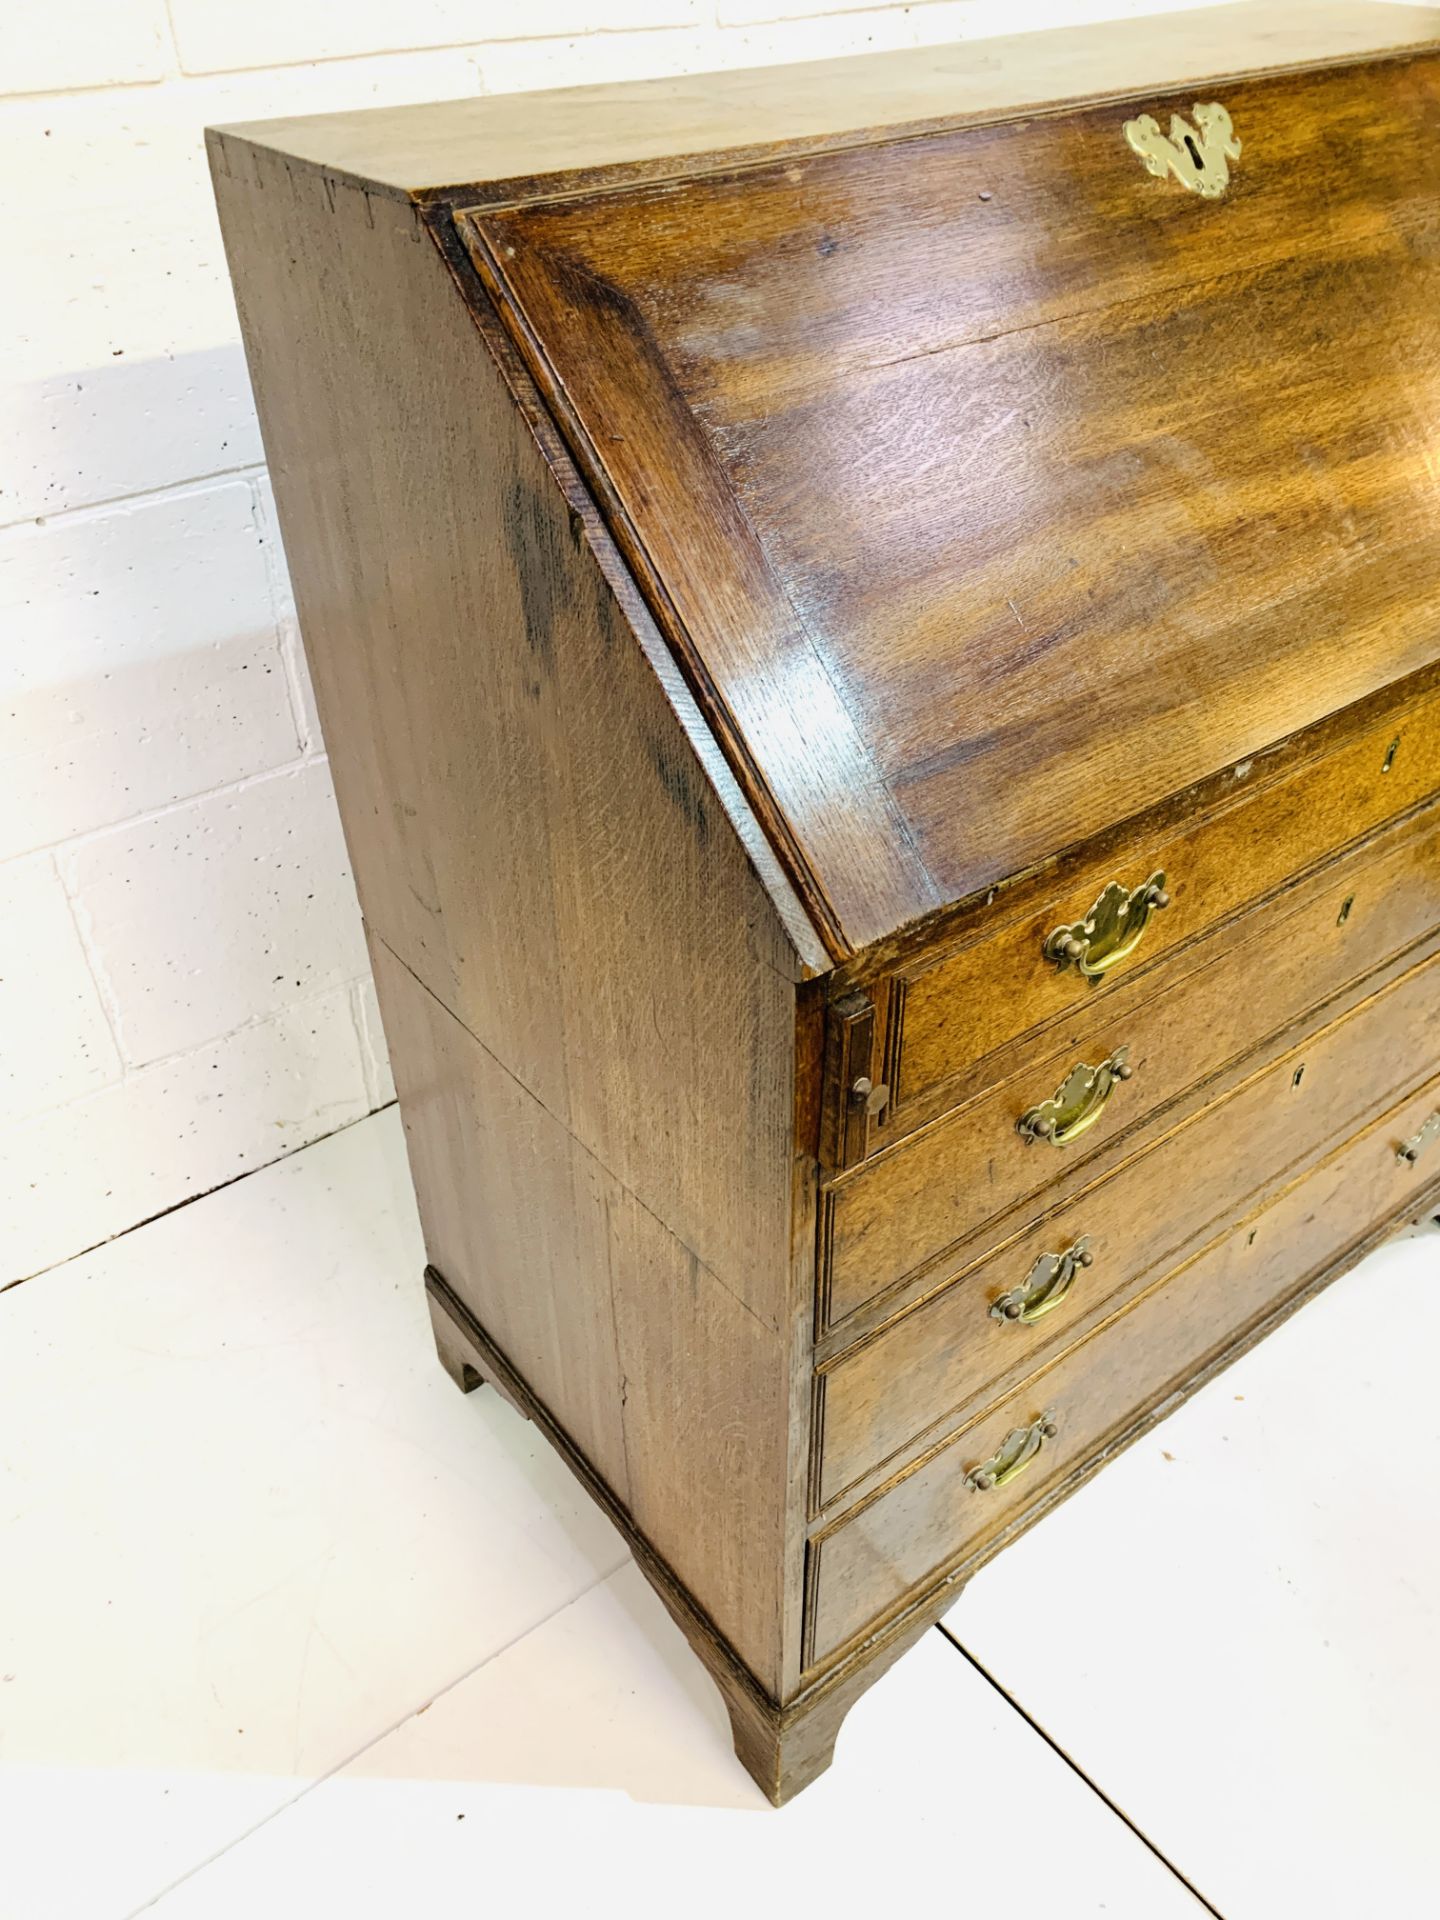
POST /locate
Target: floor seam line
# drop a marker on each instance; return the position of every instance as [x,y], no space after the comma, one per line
[1079,1772]
[365,1747]
[191,1199]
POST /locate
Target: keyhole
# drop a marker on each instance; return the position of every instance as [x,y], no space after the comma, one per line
[1299,1076]
[1390,755]
[1345,911]
[1195,153]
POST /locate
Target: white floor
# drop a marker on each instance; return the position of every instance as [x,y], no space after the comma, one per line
[289,1626]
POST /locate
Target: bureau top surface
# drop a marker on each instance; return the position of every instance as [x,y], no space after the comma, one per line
[989,487]
[509,146]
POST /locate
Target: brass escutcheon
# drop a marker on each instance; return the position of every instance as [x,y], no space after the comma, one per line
[1047,1284]
[1075,1106]
[1198,156]
[1018,1449]
[1111,931]
[1416,1145]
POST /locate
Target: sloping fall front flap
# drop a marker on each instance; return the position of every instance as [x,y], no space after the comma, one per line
[992,487]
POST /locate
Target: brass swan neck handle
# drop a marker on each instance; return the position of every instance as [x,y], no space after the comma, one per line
[1077,1103]
[1111,931]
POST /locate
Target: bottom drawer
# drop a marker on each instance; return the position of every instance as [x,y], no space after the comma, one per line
[935,1515]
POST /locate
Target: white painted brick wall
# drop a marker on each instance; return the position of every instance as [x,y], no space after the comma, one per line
[183,992]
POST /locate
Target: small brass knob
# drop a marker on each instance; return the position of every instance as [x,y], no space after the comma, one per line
[984,1482]
[1123,1070]
[1071,948]
[1160,900]
[1049,1429]
[872,1099]
[1013,1310]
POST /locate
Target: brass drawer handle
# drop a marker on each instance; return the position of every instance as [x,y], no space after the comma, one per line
[1075,1107]
[1413,1148]
[1018,1449]
[1047,1284]
[1111,931]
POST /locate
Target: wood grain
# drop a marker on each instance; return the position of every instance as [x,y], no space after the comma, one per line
[949,1352]
[674,1393]
[754,588]
[950,1009]
[505,147]
[904,1209]
[588,993]
[481,693]
[1081,540]
[784,1747]
[905,1538]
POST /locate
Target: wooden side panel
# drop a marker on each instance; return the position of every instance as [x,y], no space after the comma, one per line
[515,1215]
[604,1140]
[529,830]
[672,1391]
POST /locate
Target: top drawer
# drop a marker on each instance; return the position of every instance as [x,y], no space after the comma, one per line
[891,1220]
[949,1009]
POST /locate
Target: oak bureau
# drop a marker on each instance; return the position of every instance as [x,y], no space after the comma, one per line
[877,626]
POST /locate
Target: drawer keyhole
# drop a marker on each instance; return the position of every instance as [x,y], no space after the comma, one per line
[1390,754]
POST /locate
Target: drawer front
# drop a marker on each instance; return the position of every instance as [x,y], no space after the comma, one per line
[905,1540]
[948,1012]
[1131,1226]
[897,1214]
